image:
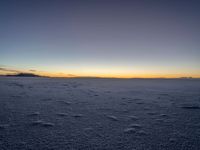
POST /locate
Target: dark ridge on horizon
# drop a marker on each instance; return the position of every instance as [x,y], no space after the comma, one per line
[23,75]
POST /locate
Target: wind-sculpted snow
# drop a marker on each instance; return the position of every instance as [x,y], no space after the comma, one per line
[99,114]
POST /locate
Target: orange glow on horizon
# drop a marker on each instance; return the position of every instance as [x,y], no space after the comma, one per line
[122,76]
[63,75]
[109,74]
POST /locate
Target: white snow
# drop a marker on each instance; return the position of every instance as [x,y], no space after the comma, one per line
[112,114]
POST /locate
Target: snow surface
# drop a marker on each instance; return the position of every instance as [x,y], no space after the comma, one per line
[104,114]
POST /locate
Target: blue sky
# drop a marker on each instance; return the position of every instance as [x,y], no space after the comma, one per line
[101,37]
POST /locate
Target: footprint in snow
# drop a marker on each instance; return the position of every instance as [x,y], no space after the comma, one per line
[140,103]
[34,114]
[125,111]
[47,124]
[113,118]
[142,132]
[77,115]
[135,126]
[88,129]
[65,102]
[163,115]
[62,114]
[172,140]
[37,122]
[129,130]
[133,117]
[42,123]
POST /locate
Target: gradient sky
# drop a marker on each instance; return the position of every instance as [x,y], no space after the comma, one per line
[107,38]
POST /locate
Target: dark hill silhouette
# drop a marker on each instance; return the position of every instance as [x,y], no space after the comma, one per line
[24,75]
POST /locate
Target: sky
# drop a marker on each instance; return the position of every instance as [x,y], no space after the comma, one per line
[102,38]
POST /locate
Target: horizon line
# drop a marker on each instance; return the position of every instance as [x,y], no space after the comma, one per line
[96,77]
[4,71]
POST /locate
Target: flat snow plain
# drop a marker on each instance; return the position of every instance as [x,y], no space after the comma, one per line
[99,114]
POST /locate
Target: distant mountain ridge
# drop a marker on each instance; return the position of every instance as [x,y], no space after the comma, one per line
[23,75]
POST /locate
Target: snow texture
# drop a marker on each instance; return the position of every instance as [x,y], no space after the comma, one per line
[99,114]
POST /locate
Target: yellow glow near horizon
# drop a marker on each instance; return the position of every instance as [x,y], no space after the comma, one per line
[112,73]
[125,73]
